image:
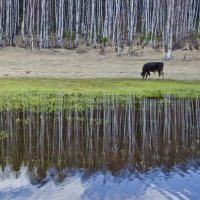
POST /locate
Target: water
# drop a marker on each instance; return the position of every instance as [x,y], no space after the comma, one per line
[141,149]
[79,184]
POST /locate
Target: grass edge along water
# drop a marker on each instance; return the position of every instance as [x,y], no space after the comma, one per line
[49,94]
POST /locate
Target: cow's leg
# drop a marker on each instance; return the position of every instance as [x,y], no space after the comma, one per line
[146,74]
[159,74]
[162,74]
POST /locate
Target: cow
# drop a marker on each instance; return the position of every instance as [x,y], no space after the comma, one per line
[152,67]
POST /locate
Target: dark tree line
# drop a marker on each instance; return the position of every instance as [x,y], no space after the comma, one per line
[45,23]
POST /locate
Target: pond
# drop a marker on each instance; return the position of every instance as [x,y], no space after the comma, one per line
[110,149]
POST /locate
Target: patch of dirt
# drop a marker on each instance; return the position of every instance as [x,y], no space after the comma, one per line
[62,63]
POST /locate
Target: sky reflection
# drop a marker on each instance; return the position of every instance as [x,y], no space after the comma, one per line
[154,184]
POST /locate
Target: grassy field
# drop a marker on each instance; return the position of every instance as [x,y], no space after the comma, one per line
[133,87]
[68,64]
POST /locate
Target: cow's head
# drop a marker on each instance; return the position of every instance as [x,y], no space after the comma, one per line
[142,74]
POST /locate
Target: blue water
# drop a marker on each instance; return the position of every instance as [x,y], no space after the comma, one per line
[179,182]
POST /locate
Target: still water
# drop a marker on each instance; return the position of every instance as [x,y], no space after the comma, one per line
[138,149]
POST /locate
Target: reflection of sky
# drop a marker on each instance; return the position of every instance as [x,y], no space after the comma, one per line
[156,184]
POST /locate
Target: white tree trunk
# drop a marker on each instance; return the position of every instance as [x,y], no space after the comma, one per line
[1,23]
[116,20]
[59,21]
[118,16]
[92,21]
[110,18]
[8,5]
[41,23]
[77,22]
[168,31]
[105,27]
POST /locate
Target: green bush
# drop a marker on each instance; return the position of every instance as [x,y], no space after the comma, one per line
[103,39]
[149,36]
[67,35]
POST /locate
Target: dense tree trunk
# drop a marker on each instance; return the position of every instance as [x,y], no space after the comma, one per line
[59,21]
[77,4]
[168,30]
[92,20]
[118,19]
[71,3]
[113,21]
[1,23]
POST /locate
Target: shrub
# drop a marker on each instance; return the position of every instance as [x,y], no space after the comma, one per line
[67,35]
[149,36]
[103,40]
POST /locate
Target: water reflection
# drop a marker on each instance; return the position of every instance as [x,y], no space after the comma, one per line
[81,184]
[135,148]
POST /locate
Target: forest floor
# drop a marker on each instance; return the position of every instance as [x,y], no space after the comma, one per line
[87,62]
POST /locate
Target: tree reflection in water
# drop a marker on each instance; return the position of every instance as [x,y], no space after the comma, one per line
[138,134]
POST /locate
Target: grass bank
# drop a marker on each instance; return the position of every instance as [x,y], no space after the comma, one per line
[39,94]
[133,87]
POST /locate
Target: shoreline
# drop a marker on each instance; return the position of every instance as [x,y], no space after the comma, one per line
[95,87]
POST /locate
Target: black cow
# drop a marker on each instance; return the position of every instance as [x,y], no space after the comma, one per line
[152,67]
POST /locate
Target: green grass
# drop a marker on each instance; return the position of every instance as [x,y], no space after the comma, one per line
[133,87]
[39,94]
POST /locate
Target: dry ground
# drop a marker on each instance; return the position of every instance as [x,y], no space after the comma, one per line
[62,63]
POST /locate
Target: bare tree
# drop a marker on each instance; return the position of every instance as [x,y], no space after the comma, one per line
[168,28]
[113,21]
[1,22]
[59,4]
[77,3]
